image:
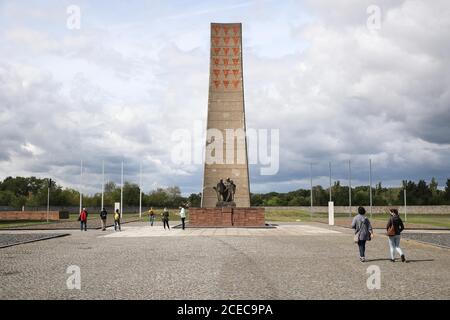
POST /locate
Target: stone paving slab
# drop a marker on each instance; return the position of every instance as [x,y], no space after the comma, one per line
[158,231]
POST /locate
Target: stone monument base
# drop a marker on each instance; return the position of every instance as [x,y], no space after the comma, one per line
[227,217]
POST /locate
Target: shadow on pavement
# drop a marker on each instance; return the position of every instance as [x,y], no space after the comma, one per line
[423,260]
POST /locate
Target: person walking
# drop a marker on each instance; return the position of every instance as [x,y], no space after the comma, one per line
[103,215]
[363,232]
[394,228]
[151,215]
[165,218]
[83,219]
[182,216]
[117,220]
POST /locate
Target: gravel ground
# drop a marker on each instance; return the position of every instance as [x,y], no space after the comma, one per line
[441,239]
[205,266]
[10,239]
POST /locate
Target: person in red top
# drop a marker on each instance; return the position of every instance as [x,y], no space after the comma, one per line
[83,219]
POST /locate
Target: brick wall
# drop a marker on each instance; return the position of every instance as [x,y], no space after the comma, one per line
[226,217]
[29,215]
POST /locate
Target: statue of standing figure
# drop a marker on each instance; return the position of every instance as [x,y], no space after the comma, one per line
[225,193]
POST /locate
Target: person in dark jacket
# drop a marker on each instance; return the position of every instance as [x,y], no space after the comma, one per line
[394,240]
[165,218]
[103,216]
[363,232]
[83,219]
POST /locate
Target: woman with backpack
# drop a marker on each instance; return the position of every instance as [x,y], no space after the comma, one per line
[363,232]
[394,228]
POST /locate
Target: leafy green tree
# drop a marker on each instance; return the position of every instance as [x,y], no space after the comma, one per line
[195,199]
[447,192]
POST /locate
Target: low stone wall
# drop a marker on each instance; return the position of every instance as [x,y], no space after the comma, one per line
[33,215]
[226,217]
[375,209]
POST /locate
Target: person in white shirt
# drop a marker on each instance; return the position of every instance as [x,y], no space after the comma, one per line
[183,216]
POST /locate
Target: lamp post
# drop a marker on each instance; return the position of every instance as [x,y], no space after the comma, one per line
[350,188]
[48,196]
[311,182]
[103,183]
[81,183]
[121,193]
[140,191]
[370,186]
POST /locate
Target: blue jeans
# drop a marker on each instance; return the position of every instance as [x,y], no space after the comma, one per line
[152,220]
[362,248]
[83,225]
[394,244]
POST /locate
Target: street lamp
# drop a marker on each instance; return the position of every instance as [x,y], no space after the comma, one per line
[48,196]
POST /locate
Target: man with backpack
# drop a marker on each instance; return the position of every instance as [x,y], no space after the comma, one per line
[103,215]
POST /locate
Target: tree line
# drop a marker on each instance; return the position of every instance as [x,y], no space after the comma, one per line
[419,193]
[32,192]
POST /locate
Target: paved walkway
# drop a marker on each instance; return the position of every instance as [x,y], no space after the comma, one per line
[304,261]
[282,230]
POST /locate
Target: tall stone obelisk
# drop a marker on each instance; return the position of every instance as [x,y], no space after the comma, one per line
[226,143]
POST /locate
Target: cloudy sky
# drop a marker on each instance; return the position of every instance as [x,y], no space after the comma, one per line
[135,71]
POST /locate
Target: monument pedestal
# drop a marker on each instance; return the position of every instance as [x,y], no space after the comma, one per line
[227,217]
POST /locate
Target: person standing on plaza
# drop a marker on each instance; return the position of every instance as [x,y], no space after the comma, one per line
[363,232]
[103,216]
[183,216]
[83,219]
[151,216]
[394,228]
[117,220]
[165,218]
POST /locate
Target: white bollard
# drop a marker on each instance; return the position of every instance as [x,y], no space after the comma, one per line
[117,207]
[331,213]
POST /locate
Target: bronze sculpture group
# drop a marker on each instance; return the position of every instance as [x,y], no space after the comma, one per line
[225,192]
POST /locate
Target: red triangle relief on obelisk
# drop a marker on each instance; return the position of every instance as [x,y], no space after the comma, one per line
[226,72]
[216,30]
[236,51]
[216,51]
[216,61]
[225,62]
[226,40]
[236,73]
[226,83]
[226,50]
[235,62]
[236,30]
[225,30]
[236,40]
[235,83]
[216,83]
[216,72]
[216,40]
